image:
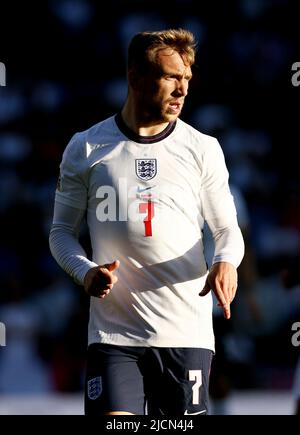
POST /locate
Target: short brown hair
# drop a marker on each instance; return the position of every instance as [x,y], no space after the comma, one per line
[144,46]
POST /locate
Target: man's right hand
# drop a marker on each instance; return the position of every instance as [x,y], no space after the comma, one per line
[100,280]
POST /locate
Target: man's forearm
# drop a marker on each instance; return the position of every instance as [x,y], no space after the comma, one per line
[229,245]
[68,253]
[64,243]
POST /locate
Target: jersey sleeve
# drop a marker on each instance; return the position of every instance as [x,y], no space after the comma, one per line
[72,185]
[64,243]
[219,209]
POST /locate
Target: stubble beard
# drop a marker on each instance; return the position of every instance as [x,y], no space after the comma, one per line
[160,113]
[152,111]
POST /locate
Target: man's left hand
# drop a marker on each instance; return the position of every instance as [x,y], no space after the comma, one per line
[222,280]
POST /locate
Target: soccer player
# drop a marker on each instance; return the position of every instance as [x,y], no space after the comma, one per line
[148,181]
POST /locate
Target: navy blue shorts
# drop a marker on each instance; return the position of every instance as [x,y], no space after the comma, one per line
[147,380]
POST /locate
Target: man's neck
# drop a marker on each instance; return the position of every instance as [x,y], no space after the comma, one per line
[140,125]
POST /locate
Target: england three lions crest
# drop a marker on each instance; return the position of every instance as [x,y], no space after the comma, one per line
[94,387]
[146,169]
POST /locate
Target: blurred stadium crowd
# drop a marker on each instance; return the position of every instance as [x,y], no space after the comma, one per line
[66,70]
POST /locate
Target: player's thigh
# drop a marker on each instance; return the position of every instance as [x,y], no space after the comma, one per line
[183,384]
[113,380]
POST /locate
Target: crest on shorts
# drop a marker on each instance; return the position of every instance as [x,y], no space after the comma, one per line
[145,169]
[94,388]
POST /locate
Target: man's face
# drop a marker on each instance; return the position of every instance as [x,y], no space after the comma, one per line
[162,92]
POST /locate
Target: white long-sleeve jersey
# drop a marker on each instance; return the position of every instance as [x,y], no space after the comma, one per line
[146,200]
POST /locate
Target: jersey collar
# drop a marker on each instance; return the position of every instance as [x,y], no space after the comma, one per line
[143,139]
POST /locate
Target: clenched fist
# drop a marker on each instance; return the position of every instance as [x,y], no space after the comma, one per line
[100,280]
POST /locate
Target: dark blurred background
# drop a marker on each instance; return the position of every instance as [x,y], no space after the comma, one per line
[66,70]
